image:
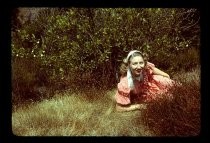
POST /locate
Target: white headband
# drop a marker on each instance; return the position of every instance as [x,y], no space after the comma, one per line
[129,54]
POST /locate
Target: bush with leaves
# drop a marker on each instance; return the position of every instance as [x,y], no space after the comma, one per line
[87,45]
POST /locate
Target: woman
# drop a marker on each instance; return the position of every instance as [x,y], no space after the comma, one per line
[140,81]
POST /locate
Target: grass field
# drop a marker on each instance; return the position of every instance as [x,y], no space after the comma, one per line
[89,113]
[74,115]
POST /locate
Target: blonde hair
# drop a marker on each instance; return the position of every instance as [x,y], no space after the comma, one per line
[126,61]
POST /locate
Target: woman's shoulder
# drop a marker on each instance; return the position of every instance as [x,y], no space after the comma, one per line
[123,79]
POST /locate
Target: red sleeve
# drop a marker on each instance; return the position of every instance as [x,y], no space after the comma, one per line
[122,87]
[123,92]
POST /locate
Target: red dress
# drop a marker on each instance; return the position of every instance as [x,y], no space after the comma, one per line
[149,89]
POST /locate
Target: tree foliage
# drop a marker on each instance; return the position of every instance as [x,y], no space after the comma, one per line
[88,44]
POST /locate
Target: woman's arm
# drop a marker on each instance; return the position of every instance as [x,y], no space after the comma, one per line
[159,72]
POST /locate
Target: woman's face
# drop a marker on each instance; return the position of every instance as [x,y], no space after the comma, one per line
[136,65]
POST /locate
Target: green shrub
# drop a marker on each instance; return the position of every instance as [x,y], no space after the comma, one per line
[183,61]
[187,60]
[85,46]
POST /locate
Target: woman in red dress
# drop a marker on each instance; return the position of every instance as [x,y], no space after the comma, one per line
[142,81]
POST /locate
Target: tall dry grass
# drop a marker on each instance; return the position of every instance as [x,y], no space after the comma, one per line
[92,113]
[181,115]
[77,115]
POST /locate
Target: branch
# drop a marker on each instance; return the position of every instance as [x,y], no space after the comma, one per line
[187,27]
